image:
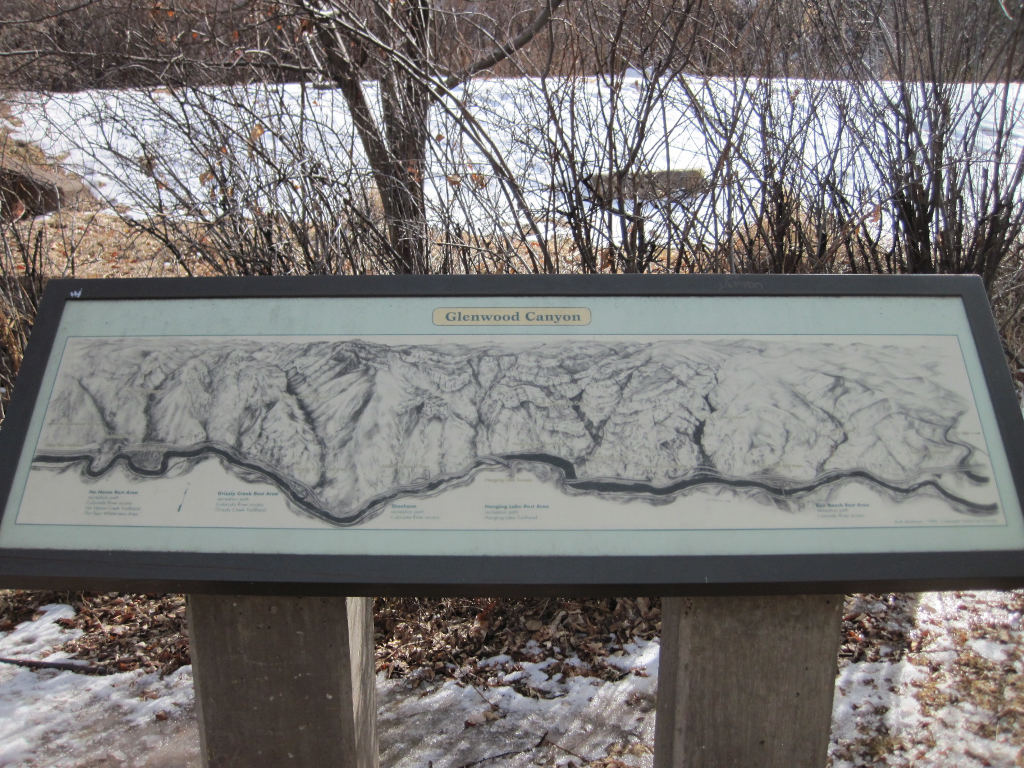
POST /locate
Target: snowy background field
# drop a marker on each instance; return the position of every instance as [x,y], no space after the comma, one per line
[159,151]
[932,681]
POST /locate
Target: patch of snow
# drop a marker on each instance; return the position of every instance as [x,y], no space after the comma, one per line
[917,713]
[989,649]
[453,724]
[62,719]
[634,656]
[495,661]
[31,638]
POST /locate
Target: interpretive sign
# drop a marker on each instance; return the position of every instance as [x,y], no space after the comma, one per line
[397,435]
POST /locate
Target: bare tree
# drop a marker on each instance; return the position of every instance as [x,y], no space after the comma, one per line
[608,141]
[396,44]
[936,115]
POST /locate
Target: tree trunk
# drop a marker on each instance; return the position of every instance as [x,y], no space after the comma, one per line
[404,63]
[405,107]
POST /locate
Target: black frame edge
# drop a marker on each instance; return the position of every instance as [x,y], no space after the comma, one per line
[452,575]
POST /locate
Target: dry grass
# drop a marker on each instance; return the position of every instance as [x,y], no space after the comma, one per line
[94,243]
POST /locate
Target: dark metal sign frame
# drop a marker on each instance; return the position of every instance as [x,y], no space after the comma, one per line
[353,573]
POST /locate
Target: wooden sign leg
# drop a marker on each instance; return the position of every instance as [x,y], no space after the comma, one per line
[284,681]
[746,682]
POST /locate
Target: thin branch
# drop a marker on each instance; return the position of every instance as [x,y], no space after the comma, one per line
[502,52]
[510,753]
[248,59]
[66,666]
[56,14]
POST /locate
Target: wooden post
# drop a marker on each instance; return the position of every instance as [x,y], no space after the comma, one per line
[284,681]
[746,681]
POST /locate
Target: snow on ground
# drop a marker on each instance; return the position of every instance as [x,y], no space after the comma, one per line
[955,698]
[156,150]
[66,718]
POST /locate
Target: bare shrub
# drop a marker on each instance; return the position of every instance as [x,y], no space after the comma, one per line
[909,163]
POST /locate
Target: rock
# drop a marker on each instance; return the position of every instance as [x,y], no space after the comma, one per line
[646,185]
[28,190]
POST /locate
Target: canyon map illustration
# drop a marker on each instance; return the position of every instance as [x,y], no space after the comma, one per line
[345,432]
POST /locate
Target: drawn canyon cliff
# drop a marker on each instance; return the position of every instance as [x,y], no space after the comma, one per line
[344,427]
